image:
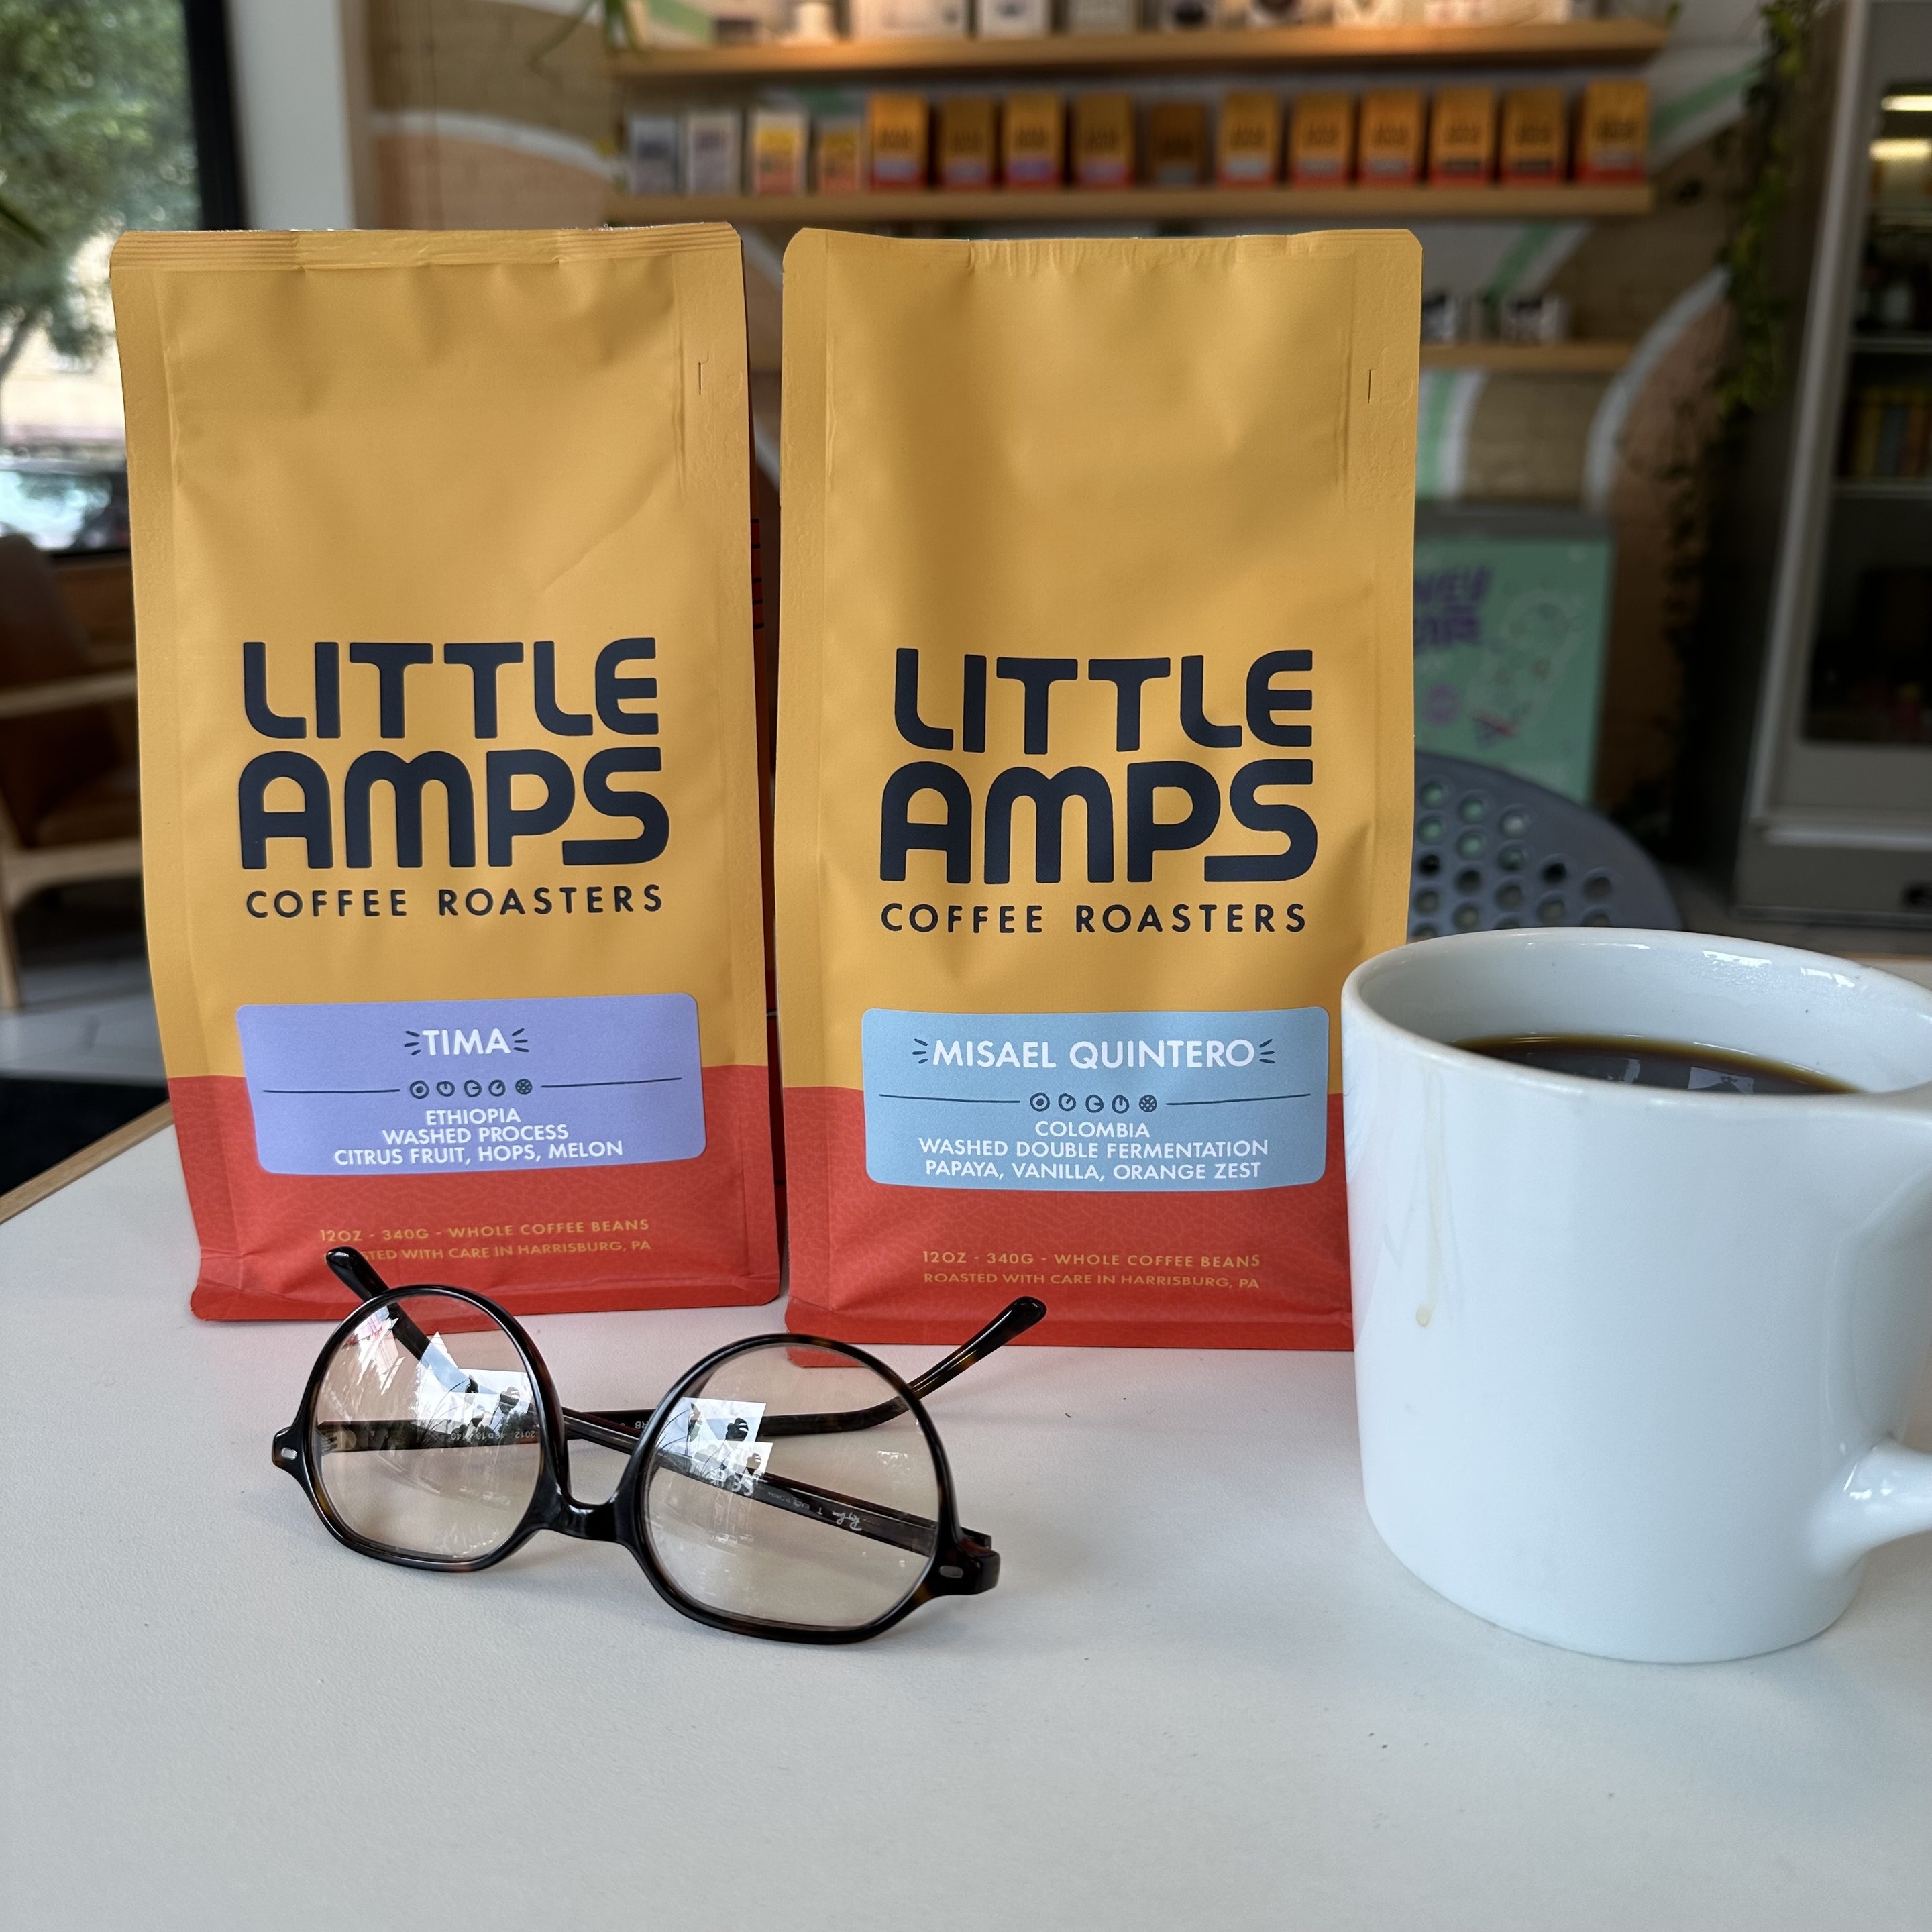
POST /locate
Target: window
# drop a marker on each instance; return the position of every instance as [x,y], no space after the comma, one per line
[114,114]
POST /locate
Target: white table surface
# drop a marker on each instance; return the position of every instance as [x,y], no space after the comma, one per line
[1203,1695]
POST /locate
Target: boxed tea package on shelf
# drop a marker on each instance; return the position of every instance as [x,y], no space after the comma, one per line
[908,19]
[651,143]
[1033,140]
[450,785]
[1534,145]
[840,167]
[1542,318]
[1390,143]
[1321,140]
[1176,143]
[1462,135]
[1013,19]
[1505,12]
[1613,132]
[1103,140]
[897,131]
[713,153]
[779,142]
[1248,144]
[968,138]
[1096,706]
[1102,16]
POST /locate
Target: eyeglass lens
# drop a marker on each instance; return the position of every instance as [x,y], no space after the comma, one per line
[425,1435]
[792,1485]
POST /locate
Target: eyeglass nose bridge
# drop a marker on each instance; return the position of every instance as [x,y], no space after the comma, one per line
[589,1523]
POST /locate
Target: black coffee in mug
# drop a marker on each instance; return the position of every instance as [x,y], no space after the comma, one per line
[1650,1063]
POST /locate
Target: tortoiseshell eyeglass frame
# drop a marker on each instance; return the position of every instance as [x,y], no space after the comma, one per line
[961,1562]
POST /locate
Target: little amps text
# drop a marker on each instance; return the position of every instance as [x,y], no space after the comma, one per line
[529,792]
[1167,805]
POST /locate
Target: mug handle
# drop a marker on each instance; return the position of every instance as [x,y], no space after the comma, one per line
[1886,1494]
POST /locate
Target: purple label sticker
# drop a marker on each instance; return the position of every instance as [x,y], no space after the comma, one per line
[474,1086]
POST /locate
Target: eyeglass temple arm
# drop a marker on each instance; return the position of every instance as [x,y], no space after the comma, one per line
[354,1270]
[609,1429]
[619,1428]
[1015,1319]
[880,1522]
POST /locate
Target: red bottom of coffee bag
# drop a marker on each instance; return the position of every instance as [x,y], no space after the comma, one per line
[1267,1269]
[681,1234]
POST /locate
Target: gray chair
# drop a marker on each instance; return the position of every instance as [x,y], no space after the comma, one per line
[1493,851]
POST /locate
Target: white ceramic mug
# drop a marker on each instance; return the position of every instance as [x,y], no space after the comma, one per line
[1631,1362]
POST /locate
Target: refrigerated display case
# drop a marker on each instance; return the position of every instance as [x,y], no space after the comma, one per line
[1870,681]
[1827,810]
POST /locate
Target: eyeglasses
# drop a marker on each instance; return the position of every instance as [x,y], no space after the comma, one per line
[787,1487]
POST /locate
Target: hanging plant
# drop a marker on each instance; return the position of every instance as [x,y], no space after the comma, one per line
[1768,139]
[611,16]
[1761,157]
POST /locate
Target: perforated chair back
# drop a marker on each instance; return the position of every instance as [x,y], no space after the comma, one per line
[1493,851]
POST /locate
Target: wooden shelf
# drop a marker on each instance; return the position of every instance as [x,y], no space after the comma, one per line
[1892,344]
[1528,359]
[1885,489]
[1575,44]
[884,206]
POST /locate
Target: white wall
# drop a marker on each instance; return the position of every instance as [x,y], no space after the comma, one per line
[291,101]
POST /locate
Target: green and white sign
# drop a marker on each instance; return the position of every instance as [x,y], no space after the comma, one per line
[1512,610]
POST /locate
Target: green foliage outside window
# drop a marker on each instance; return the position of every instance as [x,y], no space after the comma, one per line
[95,135]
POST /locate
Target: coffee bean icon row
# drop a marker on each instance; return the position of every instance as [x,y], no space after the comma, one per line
[1092,1103]
[473,1090]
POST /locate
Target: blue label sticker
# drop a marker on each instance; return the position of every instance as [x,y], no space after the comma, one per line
[474,1086]
[1097,1103]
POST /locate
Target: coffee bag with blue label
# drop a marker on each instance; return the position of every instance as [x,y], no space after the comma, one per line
[450,787]
[1094,768]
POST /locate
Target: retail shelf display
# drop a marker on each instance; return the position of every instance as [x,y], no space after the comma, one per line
[1885,489]
[1561,202]
[1616,43]
[1895,343]
[1528,359]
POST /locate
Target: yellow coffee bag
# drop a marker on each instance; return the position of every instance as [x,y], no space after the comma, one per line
[897,129]
[1176,143]
[1032,136]
[1247,149]
[968,141]
[450,789]
[1322,140]
[1389,140]
[1463,135]
[1613,131]
[1533,145]
[1103,140]
[1094,771]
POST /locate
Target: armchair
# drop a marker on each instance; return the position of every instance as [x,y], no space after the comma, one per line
[70,807]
